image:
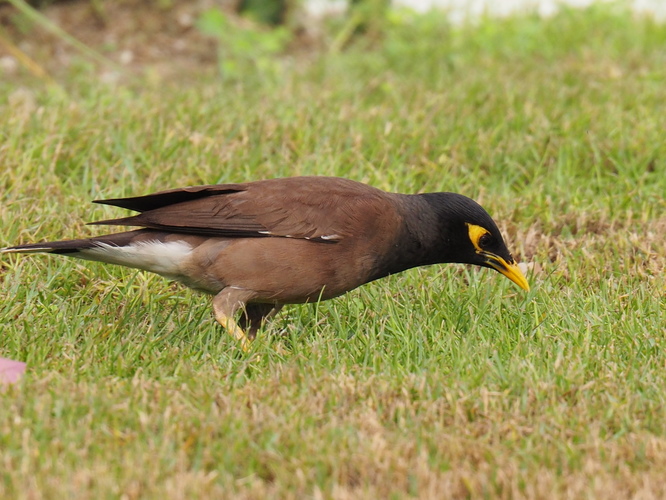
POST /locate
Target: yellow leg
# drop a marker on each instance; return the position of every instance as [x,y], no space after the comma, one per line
[232,327]
[225,305]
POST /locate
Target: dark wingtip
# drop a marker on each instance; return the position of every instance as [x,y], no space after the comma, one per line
[169,197]
[114,202]
[123,221]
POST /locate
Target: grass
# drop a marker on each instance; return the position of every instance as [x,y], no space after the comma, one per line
[439,382]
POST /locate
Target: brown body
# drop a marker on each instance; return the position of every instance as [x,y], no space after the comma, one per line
[321,273]
[305,242]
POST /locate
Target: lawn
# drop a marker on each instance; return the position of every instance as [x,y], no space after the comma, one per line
[440,382]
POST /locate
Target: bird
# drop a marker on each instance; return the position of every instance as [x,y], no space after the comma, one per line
[257,246]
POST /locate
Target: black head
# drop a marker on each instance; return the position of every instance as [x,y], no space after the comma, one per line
[468,235]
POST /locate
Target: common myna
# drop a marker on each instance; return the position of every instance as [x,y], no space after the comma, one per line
[259,245]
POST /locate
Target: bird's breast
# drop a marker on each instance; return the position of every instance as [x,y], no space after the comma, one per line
[278,270]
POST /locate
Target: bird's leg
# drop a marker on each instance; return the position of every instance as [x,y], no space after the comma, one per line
[225,305]
[254,316]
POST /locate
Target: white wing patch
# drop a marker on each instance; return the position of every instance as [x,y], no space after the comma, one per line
[163,258]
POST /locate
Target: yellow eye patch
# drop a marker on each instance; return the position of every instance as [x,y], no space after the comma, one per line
[475,234]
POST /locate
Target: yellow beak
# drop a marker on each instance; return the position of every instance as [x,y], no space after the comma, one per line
[510,270]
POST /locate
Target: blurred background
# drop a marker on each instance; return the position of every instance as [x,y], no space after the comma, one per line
[44,37]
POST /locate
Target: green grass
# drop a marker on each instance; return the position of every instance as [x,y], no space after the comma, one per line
[439,382]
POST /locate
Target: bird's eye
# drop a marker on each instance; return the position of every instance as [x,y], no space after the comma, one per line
[485,240]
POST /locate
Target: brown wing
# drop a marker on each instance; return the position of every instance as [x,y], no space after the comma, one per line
[316,208]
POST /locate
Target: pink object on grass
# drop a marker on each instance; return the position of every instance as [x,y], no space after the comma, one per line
[10,371]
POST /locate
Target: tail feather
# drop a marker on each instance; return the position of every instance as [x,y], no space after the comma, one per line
[59,247]
[155,251]
[74,246]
